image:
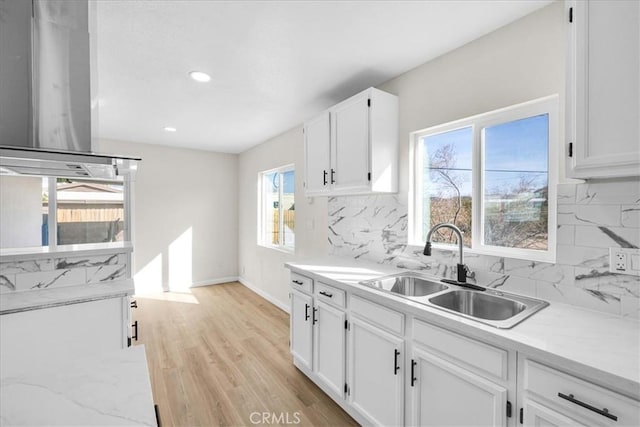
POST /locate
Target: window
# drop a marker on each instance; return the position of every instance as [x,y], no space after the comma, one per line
[53,211]
[492,175]
[278,208]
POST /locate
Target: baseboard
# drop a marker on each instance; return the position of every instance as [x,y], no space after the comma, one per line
[263,294]
[214,281]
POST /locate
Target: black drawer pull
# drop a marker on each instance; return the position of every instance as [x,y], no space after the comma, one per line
[134,304]
[604,412]
[326,294]
[333,180]
[135,330]
[315,319]
[396,368]
[324,178]
[413,372]
[306,312]
[297,282]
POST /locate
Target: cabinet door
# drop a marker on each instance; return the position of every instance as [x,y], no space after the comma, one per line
[301,328]
[446,394]
[329,346]
[603,99]
[376,374]
[317,145]
[537,415]
[350,144]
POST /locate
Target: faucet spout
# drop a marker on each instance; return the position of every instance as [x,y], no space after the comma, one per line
[462,269]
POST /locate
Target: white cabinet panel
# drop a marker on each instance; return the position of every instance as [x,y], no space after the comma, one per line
[350,144]
[603,90]
[352,148]
[376,374]
[317,141]
[537,415]
[302,328]
[446,394]
[329,346]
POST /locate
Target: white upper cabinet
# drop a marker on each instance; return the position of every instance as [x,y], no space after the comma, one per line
[603,89]
[352,148]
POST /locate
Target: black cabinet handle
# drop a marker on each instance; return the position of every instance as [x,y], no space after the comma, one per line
[157,411]
[604,412]
[134,304]
[326,294]
[413,372]
[135,330]
[297,282]
[396,368]
[333,180]
[306,312]
[324,177]
[315,319]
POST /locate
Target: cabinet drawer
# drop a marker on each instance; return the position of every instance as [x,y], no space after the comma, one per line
[377,314]
[488,359]
[330,294]
[572,395]
[301,283]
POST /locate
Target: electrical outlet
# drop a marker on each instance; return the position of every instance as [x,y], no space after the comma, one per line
[624,261]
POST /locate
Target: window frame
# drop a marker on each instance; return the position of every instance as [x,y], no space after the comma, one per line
[262,209]
[546,105]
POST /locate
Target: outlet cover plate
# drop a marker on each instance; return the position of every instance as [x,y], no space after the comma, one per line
[630,257]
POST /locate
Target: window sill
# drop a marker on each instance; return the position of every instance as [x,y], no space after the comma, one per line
[290,251]
[546,257]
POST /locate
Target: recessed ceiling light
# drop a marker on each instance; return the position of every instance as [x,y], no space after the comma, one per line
[199,76]
[170,129]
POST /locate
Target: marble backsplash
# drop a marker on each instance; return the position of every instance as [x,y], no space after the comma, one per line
[43,273]
[592,217]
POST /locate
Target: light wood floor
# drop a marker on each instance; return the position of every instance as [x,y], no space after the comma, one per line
[221,354]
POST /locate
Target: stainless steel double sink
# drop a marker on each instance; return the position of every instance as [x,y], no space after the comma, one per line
[492,307]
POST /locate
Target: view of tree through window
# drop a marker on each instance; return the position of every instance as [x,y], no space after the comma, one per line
[278,206]
[447,183]
[489,175]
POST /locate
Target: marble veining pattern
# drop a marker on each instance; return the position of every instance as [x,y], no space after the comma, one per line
[591,218]
[44,273]
[113,390]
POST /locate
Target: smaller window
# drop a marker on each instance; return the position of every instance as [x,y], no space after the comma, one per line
[277,201]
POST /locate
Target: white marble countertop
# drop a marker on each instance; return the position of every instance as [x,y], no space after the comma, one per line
[112,390]
[15,302]
[602,347]
[19,254]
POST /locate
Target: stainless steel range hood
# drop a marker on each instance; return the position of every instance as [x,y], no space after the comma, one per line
[45,92]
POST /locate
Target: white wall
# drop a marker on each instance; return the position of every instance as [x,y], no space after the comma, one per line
[185,216]
[262,268]
[516,63]
[519,62]
[20,211]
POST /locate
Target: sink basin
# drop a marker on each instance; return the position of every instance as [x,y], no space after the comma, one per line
[407,284]
[485,305]
[492,307]
[479,304]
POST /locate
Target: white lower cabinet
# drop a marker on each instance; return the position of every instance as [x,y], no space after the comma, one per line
[376,373]
[552,397]
[301,325]
[329,346]
[459,381]
[537,414]
[388,368]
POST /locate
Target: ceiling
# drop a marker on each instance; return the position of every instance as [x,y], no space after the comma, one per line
[273,64]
